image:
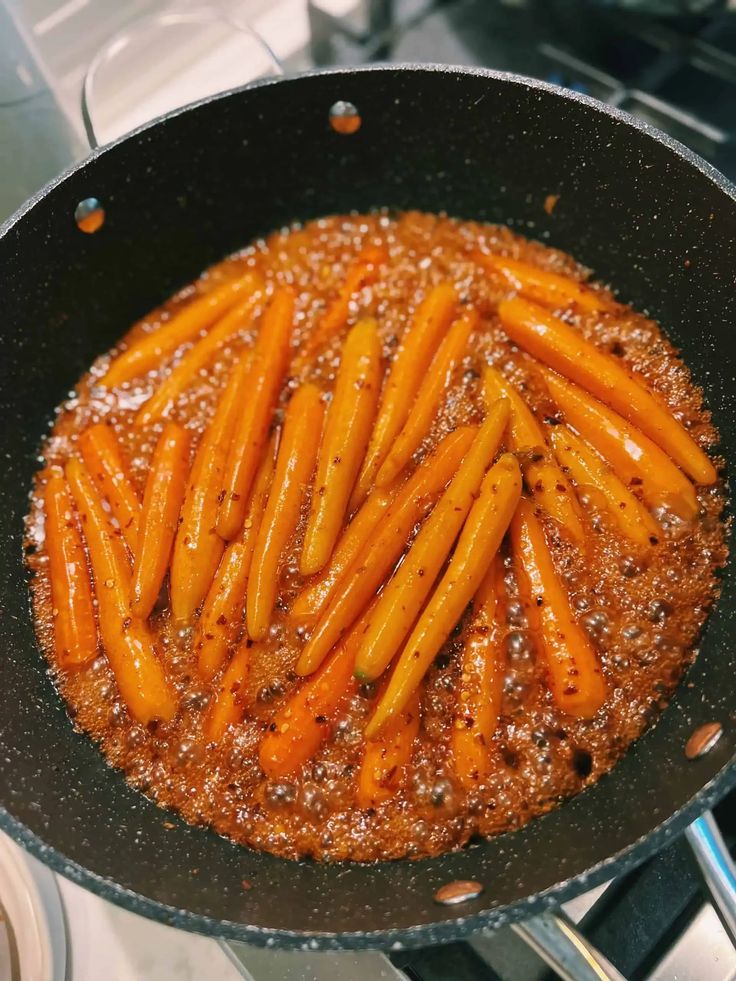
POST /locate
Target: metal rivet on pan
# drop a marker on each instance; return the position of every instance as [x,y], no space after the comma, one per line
[703,740]
[460,891]
[345,118]
[89,215]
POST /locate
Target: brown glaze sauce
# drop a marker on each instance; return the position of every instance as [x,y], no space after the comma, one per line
[643,617]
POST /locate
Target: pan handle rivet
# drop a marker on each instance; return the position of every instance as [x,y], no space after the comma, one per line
[703,740]
[89,215]
[460,891]
[345,118]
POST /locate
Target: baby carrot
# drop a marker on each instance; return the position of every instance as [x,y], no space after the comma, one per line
[197,547]
[344,442]
[230,702]
[127,641]
[75,629]
[162,500]
[303,723]
[404,595]
[560,346]
[363,271]
[429,397]
[386,757]
[182,376]
[586,467]
[314,597]
[101,455]
[199,314]
[634,457]
[382,551]
[294,467]
[478,543]
[481,683]
[574,674]
[544,287]
[548,484]
[408,370]
[222,611]
[262,386]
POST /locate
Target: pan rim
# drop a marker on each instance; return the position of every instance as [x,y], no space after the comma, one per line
[441,930]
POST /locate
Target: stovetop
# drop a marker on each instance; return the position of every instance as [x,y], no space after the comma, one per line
[656,922]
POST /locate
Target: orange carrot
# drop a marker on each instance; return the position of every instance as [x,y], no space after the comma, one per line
[560,346]
[314,597]
[294,467]
[574,674]
[185,324]
[101,455]
[634,457]
[75,629]
[544,287]
[127,641]
[186,371]
[481,683]
[383,550]
[304,721]
[548,484]
[197,547]
[344,442]
[587,468]
[386,757]
[429,397]
[229,705]
[404,595]
[162,502]
[408,370]
[363,271]
[262,386]
[222,611]
[478,543]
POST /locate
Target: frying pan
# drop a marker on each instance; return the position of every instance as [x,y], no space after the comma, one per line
[641,210]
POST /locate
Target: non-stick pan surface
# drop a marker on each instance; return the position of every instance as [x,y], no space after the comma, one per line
[642,211]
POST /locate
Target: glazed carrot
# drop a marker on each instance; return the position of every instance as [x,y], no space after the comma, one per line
[478,543]
[101,455]
[481,682]
[262,387]
[75,629]
[544,287]
[363,271]
[586,467]
[634,457]
[303,723]
[183,375]
[127,641]
[408,370]
[386,757]
[294,467]
[548,484]
[404,595]
[560,346]
[230,702]
[162,500]
[184,326]
[197,548]
[314,597]
[381,553]
[344,442]
[429,397]
[574,674]
[222,611]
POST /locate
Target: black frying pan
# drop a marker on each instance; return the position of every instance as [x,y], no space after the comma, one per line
[643,212]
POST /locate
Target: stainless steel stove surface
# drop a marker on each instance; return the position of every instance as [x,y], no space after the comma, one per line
[658,922]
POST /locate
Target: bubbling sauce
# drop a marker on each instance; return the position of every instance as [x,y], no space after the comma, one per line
[642,612]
